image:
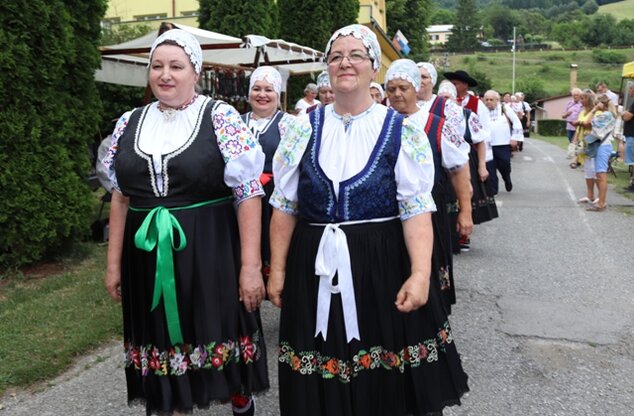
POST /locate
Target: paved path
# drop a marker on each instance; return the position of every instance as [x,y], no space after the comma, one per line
[544,318]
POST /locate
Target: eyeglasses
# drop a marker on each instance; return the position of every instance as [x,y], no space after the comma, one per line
[355,58]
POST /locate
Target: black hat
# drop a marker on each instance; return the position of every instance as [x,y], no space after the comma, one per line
[461,76]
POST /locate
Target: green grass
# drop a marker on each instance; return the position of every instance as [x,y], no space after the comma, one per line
[48,321]
[551,67]
[621,10]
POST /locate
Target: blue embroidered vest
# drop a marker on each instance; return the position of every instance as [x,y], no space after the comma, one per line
[438,107]
[371,193]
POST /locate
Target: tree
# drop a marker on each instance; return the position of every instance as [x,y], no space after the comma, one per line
[599,30]
[442,17]
[411,17]
[50,110]
[465,27]
[590,7]
[122,33]
[239,18]
[502,20]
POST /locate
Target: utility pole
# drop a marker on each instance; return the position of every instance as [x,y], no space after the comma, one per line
[513,87]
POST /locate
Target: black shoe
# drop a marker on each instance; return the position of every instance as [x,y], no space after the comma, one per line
[508,185]
[248,410]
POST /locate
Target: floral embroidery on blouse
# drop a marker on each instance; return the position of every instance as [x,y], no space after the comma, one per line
[108,160]
[176,361]
[415,144]
[295,134]
[375,358]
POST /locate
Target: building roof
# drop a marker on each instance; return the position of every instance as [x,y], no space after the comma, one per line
[439,28]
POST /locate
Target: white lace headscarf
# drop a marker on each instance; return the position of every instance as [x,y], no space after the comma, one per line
[405,69]
[267,74]
[431,70]
[185,40]
[447,87]
[323,80]
[365,35]
[378,87]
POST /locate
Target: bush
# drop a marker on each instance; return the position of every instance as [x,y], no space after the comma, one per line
[608,57]
[50,110]
[532,87]
[551,127]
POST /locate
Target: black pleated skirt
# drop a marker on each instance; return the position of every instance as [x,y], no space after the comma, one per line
[223,352]
[483,206]
[442,255]
[405,363]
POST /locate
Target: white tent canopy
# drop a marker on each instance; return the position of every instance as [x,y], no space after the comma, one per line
[126,63]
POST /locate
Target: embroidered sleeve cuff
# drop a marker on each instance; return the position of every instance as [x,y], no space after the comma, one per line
[247,190]
[278,201]
[416,205]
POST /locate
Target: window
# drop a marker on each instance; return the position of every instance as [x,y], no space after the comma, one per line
[153,16]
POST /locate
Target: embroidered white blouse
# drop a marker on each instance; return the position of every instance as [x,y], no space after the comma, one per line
[345,152]
[160,134]
[453,113]
[454,150]
[501,133]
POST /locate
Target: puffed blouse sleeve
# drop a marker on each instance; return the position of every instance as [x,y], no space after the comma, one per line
[454,149]
[295,133]
[241,152]
[478,134]
[108,160]
[414,171]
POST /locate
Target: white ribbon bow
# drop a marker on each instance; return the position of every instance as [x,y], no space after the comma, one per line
[333,258]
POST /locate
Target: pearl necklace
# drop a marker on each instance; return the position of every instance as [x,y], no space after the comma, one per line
[170,112]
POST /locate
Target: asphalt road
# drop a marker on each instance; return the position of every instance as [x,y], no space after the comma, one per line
[544,319]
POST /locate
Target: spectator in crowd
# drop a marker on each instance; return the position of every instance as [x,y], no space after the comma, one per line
[309,99]
[602,88]
[628,134]
[505,130]
[602,122]
[571,114]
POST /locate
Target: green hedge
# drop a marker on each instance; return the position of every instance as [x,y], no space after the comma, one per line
[551,127]
[50,111]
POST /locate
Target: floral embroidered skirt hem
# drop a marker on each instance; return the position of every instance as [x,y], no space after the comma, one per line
[403,364]
[223,349]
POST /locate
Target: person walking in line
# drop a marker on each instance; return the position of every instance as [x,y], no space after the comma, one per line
[571,114]
[264,119]
[361,333]
[451,177]
[184,247]
[505,130]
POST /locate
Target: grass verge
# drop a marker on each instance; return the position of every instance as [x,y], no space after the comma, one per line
[48,320]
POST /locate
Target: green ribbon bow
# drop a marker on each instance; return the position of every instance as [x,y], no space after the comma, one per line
[157,231]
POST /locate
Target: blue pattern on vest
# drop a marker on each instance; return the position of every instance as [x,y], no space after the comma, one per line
[371,193]
[433,129]
[438,107]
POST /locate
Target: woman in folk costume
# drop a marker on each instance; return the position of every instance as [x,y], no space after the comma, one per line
[453,114]
[326,95]
[483,206]
[264,120]
[451,176]
[360,331]
[184,250]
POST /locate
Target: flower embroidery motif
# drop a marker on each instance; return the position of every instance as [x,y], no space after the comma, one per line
[178,360]
[374,358]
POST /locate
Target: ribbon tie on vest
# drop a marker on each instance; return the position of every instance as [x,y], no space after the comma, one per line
[157,230]
[333,258]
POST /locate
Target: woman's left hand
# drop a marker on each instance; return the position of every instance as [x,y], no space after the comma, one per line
[251,288]
[413,294]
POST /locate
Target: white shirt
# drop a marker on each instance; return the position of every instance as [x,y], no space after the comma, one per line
[501,133]
[302,105]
